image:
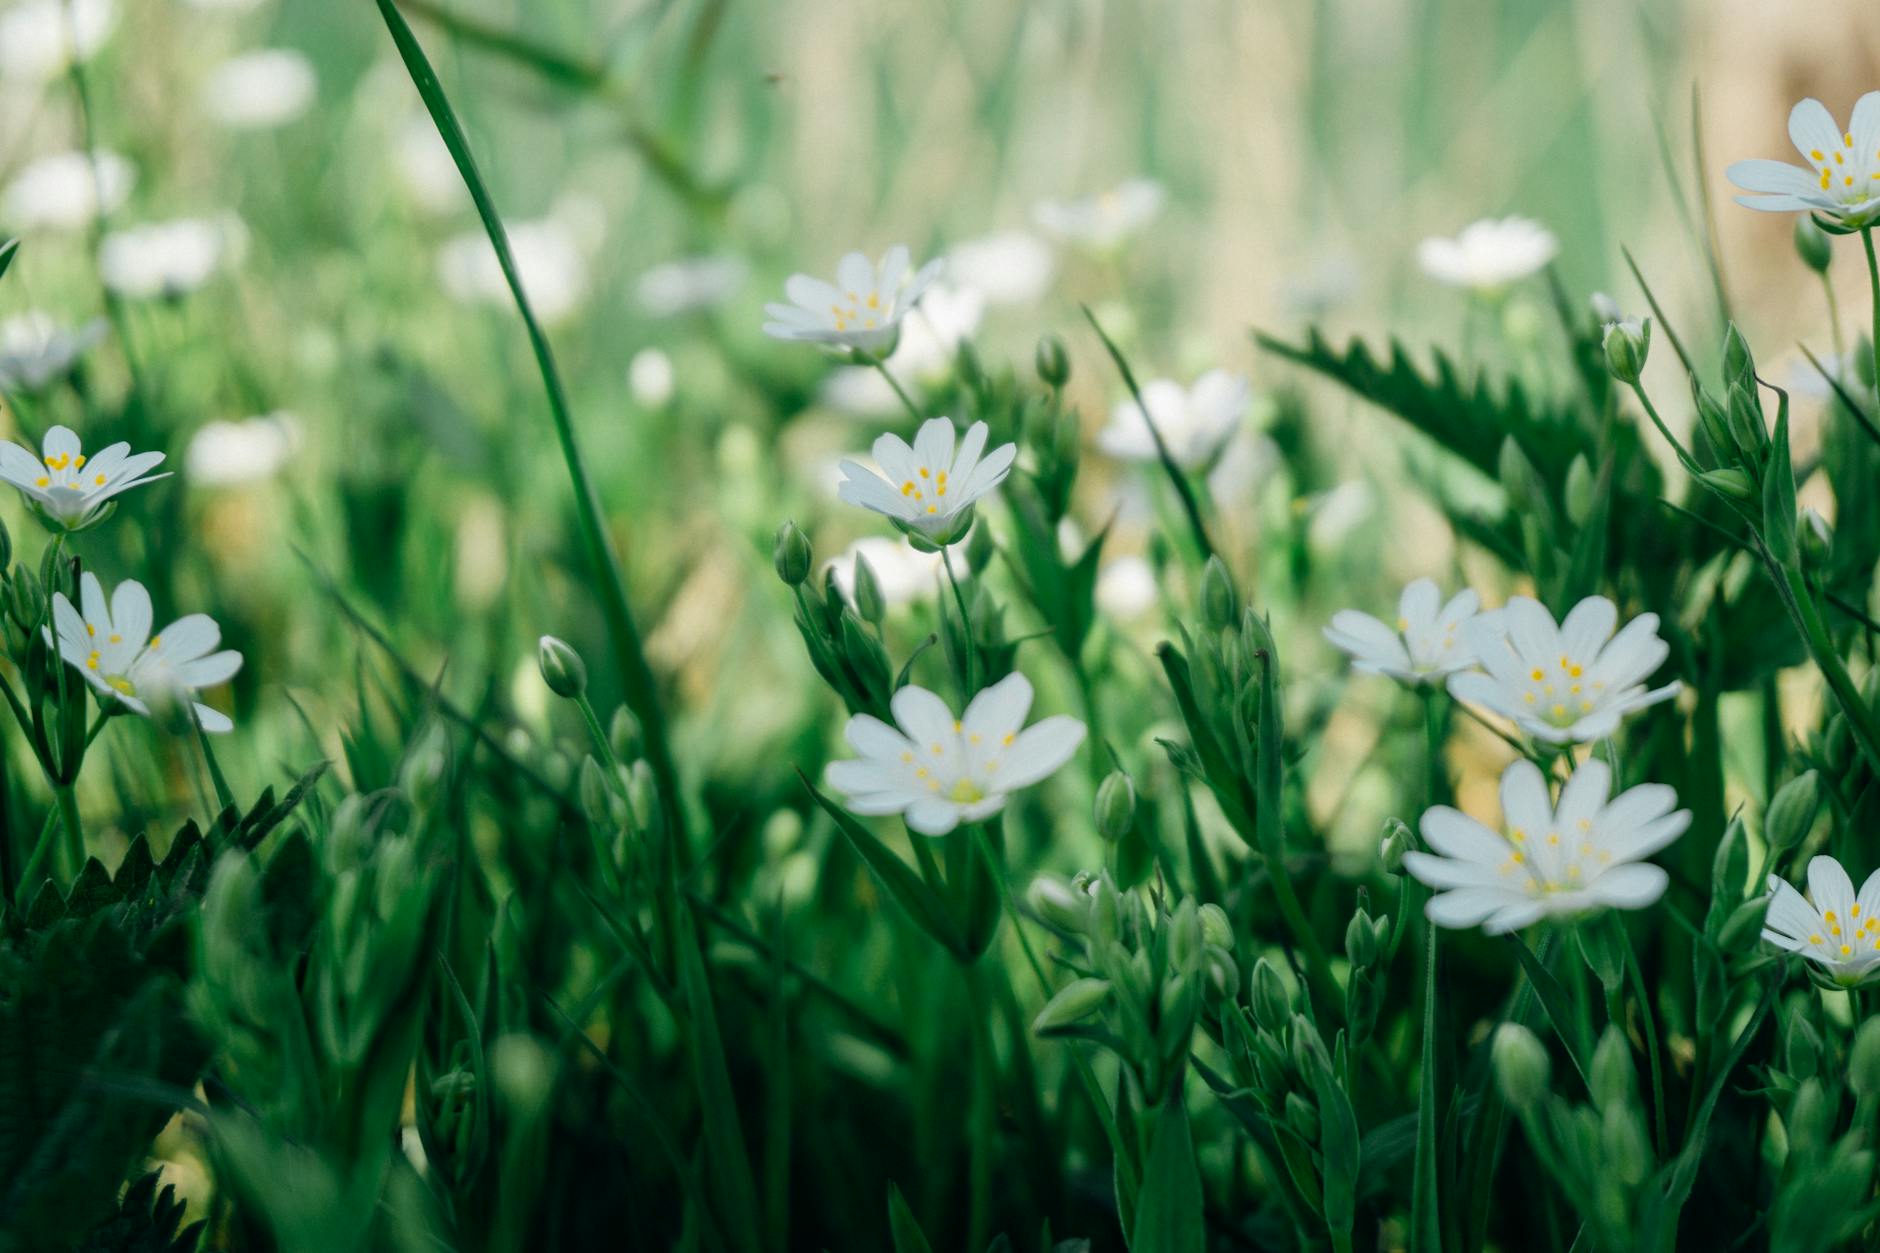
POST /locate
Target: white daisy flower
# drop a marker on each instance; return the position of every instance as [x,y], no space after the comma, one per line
[170,259]
[861,311]
[260,90]
[902,572]
[690,285]
[1193,421]
[929,489]
[1833,927]
[1548,860]
[231,454]
[67,190]
[1105,220]
[1009,268]
[113,648]
[1842,178]
[939,771]
[68,490]
[1489,255]
[1425,646]
[36,351]
[1564,684]
[547,255]
[39,39]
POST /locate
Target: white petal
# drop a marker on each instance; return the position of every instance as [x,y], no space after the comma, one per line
[1039,750]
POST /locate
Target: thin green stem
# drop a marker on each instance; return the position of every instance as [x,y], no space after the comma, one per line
[41,847]
[224,797]
[971,646]
[1873,288]
[67,795]
[1643,996]
[1834,321]
[1651,411]
[912,408]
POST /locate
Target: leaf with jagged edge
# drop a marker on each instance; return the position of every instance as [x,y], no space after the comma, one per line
[147,1221]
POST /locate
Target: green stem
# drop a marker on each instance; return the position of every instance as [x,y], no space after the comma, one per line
[74,829]
[1651,411]
[1873,287]
[1834,322]
[971,677]
[1860,719]
[1643,997]
[41,847]
[223,796]
[984,1110]
[912,408]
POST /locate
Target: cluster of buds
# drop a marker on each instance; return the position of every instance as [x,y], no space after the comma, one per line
[846,653]
[615,783]
[54,694]
[1367,948]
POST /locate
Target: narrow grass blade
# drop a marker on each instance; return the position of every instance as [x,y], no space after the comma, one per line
[1557,1003]
[730,1177]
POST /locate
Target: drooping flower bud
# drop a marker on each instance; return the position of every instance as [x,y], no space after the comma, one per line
[1627,344]
[1053,363]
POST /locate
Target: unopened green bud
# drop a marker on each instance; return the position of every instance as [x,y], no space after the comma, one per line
[1216,929]
[792,554]
[1810,1119]
[1625,1151]
[1053,363]
[1579,491]
[1812,244]
[868,599]
[1801,1048]
[426,765]
[562,668]
[1116,806]
[980,550]
[1741,929]
[1185,933]
[1303,1117]
[1361,940]
[1612,1078]
[1748,427]
[524,1072]
[1628,343]
[1397,841]
[1058,903]
[1816,540]
[1863,1061]
[1791,812]
[1730,482]
[1521,1065]
[1075,1001]
[597,801]
[1223,973]
[1220,604]
[1711,415]
[623,734]
[1739,366]
[1272,1004]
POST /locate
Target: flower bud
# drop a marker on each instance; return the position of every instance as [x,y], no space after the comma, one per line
[1076,1000]
[1216,929]
[1730,482]
[1739,366]
[1627,344]
[597,801]
[1361,940]
[1792,812]
[792,554]
[1184,942]
[1811,1117]
[1272,1003]
[868,599]
[1817,540]
[1801,1048]
[1812,244]
[1303,1117]
[1058,903]
[1710,415]
[562,668]
[1116,806]
[1521,1065]
[1863,1061]
[1220,604]
[1053,363]
[1579,491]
[523,1072]
[1397,841]
[979,550]
[623,734]
[1748,427]
[1612,1078]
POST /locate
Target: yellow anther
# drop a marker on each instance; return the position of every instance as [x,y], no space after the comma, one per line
[99,480]
[1518,836]
[1007,741]
[1574,671]
[79,464]
[933,508]
[973,738]
[939,750]
[1553,839]
[924,474]
[1529,698]
[907,756]
[117,639]
[1584,824]
[1846,949]
[907,488]
[922,773]
[1518,858]
[1838,160]
[90,629]
[1815,939]
[41,481]
[874,300]
[956,726]
[1538,674]
[1816,154]
[1559,711]
[155,640]
[1848,139]
[1829,915]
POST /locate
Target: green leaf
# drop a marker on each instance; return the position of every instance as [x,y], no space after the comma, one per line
[1168,1212]
[730,1178]
[1778,520]
[9,250]
[908,1237]
[146,1222]
[920,902]
[1341,1152]
[1426,1231]
[1556,1002]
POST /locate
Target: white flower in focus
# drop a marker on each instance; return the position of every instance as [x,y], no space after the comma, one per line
[939,771]
[1194,422]
[1105,220]
[113,648]
[1548,860]
[260,90]
[1426,645]
[930,337]
[902,572]
[68,490]
[230,454]
[1490,254]
[1565,684]
[547,255]
[1842,178]
[1010,268]
[39,37]
[36,351]
[1126,589]
[1836,929]
[928,488]
[169,259]
[861,311]
[650,378]
[690,285]
[67,190]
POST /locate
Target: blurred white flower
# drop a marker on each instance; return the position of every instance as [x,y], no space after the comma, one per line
[1584,854]
[1321,286]
[113,648]
[68,490]
[423,163]
[1569,683]
[64,191]
[1337,513]
[1489,254]
[260,90]
[1009,268]
[928,488]
[230,454]
[1842,178]
[35,350]
[1243,467]
[1126,589]
[1194,422]
[690,285]
[650,379]
[903,572]
[554,273]
[1837,929]
[861,311]
[930,336]
[170,258]
[1427,644]
[39,37]
[1805,380]
[1605,308]
[1105,220]
[938,771]
[225,6]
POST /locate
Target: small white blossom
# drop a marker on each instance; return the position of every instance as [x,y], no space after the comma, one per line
[902,572]
[861,311]
[929,487]
[650,378]
[1489,255]
[1547,860]
[232,454]
[38,38]
[939,771]
[1842,178]
[113,648]
[1426,645]
[548,257]
[1565,684]
[1010,268]
[1126,589]
[1105,220]
[260,90]
[1194,422]
[690,285]
[1833,927]
[67,190]
[169,259]
[68,490]
[930,337]
[36,351]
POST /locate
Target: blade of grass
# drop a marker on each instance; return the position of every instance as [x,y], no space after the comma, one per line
[730,1176]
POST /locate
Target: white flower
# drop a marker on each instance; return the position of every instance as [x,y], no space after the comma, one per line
[36,351]
[1564,684]
[423,163]
[1838,930]
[67,489]
[690,285]
[930,337]
[1010,268]
[1322,286]
[230,454]
[1489,254]
[1102,221]
[861,310]
[67,190]
[1842,179]
[39,37]
[115,651]
[929,487]
[260,90]
[939,771]
[1548,860]
[1426,645]
[547,256]
[169,259]
[650,378]
[902,572]
[1193,421]
[1126,588]
[1605,309]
